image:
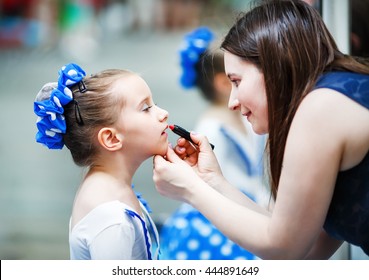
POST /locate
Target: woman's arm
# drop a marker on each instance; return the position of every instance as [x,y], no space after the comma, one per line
[201,161]
[204,163]
[234,194]
[324,247]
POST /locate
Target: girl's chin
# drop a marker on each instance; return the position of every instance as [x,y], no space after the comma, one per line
[162,151]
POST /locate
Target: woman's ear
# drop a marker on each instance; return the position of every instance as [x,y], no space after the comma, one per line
[110,139]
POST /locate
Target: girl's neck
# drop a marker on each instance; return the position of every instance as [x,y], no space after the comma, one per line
[116,166]
[106,185]
[120,175]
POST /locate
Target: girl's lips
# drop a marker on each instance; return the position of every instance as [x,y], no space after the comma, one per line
[164,131]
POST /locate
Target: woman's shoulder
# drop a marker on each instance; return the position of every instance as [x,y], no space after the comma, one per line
[353,85]
[341,78]
[329,104]
[325,116]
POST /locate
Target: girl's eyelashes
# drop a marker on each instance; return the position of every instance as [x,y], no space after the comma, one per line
[147,107]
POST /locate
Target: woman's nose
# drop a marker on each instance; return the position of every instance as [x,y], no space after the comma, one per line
[233,104]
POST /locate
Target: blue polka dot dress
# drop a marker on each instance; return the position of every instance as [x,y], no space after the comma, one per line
[188,235]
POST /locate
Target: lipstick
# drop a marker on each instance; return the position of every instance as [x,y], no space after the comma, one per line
[184,133]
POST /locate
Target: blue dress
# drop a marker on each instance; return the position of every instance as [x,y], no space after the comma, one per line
[187,234]
[348,214]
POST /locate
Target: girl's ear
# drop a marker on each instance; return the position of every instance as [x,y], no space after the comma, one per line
[110,139]
[222,83]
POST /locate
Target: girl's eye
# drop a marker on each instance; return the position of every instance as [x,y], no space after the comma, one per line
[146,107]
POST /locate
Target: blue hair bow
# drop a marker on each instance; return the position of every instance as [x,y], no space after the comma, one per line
[51,123]
[195,43]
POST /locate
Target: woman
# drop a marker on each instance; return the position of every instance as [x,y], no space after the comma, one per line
[291,82]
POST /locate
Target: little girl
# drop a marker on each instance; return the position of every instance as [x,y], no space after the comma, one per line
[110,124]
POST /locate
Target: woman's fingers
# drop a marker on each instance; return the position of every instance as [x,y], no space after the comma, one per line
[201,141]
[185,149]
[172,156]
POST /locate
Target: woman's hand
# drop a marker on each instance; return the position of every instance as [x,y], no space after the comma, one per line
[173,177]
[201,157]
[177,175]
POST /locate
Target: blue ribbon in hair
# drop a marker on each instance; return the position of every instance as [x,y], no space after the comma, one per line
[51,123]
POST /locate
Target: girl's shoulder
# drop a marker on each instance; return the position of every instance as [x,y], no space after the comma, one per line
[103,215]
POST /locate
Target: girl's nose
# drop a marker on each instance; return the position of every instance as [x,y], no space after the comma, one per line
[163,114]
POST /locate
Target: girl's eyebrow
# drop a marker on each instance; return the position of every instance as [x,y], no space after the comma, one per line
[143,101]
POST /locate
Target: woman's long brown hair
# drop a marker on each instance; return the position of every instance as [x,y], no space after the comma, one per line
[290,44]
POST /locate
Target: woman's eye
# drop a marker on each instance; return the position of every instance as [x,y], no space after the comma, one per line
[235,82]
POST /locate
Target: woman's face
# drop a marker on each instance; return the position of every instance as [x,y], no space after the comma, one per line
[142,123]
[248,91]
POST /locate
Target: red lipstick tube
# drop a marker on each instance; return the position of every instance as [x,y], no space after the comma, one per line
[184,133]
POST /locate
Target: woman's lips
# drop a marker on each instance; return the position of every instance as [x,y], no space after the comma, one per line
[247,115]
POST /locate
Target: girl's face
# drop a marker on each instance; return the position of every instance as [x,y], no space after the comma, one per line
[142,123]
[248,91]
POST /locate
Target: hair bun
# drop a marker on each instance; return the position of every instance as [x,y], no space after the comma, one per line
[195,43]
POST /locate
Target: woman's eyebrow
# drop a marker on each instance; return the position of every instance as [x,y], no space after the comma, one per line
[230,75]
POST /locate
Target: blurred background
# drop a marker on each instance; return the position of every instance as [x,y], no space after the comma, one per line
[37,37]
